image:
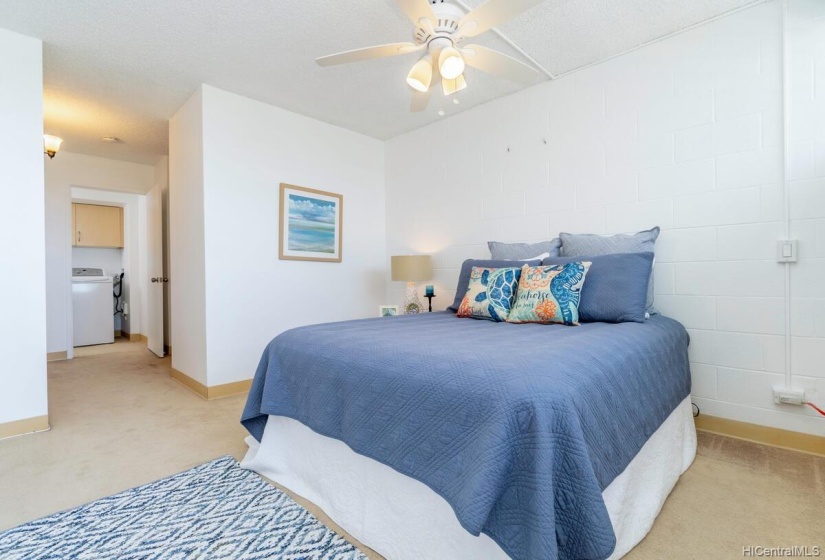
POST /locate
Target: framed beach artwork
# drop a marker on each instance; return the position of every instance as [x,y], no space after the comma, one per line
[310,224]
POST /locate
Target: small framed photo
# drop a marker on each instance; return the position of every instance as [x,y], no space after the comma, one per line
[388,311]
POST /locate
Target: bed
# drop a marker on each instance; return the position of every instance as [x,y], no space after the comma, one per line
[431,436]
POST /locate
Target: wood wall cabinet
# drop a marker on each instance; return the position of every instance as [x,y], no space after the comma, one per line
[97,226]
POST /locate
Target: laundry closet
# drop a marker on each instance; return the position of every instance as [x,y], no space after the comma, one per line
[98,273]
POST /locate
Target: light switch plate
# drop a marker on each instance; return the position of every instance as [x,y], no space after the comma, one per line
[787,250]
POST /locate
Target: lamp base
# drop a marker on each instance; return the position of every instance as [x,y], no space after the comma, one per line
[412,304]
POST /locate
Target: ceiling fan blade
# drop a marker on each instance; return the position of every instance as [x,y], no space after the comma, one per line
[492,13]
[417,10]
[420,100]
[368,53]
[498,64]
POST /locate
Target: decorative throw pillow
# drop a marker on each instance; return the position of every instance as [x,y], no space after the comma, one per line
[523,251]
[549,294]
[589,244]
[467,267]
[490,293]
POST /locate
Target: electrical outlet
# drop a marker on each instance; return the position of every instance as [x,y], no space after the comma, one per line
[782,395]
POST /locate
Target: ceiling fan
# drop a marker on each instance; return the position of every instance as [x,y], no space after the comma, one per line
[440,28]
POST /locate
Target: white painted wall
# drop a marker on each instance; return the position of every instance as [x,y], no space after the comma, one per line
[686,134]
[65,171]
[187,286]
[22,294]
[250,296]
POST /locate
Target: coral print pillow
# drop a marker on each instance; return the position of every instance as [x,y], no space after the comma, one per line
[549,294]
[490,293]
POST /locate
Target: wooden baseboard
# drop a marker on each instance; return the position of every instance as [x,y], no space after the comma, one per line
[25,426]
[786,439]
[133,337]
[189,383]
[214,392]
[229,389]
[118,334]
[57,356]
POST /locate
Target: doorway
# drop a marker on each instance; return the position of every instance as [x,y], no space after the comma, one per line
[116,241]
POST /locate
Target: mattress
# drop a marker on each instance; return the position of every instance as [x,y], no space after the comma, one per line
[402,519]
[520,428]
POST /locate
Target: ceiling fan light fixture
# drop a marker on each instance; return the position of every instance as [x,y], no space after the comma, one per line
[440,27]
[453,86]
[421,76]
[451,63]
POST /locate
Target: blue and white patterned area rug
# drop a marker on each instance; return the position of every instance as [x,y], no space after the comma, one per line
[216,510]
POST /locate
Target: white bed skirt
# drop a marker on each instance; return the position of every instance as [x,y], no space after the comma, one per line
[403,519]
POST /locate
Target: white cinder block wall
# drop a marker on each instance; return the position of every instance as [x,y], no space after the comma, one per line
[806,159]
[686,134]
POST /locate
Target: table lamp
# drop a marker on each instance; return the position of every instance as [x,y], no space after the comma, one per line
[412,269]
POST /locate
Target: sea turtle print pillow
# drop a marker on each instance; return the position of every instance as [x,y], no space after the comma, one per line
[490,293]
[549,294]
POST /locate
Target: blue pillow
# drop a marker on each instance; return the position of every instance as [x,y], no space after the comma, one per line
[467,269]
[516,251]
[616,287]
[581,244]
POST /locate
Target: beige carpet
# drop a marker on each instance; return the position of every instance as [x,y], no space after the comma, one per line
[119,421]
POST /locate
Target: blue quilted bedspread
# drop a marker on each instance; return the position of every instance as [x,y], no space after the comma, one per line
[518,427]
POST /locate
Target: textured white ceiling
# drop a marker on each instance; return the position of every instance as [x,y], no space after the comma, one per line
[123,68]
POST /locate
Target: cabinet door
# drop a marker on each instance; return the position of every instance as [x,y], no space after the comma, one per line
[98,226]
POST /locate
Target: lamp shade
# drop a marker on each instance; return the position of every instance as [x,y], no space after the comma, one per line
[450,63]
[453,86]
[412,268]
[421,75]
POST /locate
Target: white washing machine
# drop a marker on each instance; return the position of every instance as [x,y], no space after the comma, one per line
[93,307]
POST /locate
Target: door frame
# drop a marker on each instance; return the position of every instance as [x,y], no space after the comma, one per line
[132,248]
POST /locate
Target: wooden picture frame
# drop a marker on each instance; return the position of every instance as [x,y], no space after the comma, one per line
[310,227]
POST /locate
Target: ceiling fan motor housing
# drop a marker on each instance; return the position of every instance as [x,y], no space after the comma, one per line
[440,33]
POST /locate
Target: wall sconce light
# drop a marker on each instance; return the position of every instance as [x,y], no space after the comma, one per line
[51,145]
